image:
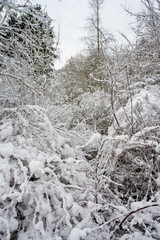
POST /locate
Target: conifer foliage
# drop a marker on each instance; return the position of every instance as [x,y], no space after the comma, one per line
[27,49]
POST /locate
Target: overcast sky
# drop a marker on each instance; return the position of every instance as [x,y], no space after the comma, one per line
[71,15]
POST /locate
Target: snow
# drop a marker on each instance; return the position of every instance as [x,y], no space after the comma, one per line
[95,138]
[146,109]
[158,180]
[136,205]
[31,177]
[94,141]
[64,175]
[44,175]
[77,234]
[61,178]
[13,223]
[6,149]
[36,168]
[6,131]
[135,236]
[157,148]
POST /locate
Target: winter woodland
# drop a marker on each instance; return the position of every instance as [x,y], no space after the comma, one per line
[79,146]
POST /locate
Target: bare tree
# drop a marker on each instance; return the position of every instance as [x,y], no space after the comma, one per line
[94,26]
[96,6]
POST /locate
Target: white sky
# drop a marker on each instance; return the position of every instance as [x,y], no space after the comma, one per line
[71,15]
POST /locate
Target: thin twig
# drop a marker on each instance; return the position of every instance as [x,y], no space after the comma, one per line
[137,210]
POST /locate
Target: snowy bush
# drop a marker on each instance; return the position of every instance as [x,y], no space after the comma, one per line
[65,115]
[140,112]
[131,159]
[89,112]
[48,190]
[96,110]
[44,181]
[127,168]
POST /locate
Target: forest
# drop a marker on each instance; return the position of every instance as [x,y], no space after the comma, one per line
[79,146]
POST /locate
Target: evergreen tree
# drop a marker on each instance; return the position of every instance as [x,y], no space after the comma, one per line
[28,47]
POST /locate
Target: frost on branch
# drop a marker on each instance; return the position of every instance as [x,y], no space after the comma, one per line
[48,189]
[127,170]
[131,161]
[73,183]
[45,184]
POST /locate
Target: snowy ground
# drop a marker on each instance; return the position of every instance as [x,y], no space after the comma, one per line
[49,190]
